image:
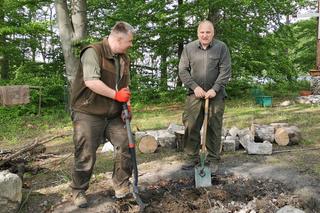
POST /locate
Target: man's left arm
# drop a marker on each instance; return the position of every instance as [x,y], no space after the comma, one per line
[224,69]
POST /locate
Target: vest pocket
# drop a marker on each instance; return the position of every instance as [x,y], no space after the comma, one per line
[89,97]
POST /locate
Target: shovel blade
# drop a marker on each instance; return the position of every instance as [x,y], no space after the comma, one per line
[202,176]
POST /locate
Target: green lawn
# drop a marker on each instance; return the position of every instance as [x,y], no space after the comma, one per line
[241,113]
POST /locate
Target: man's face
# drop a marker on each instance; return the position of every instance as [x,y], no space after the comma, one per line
[124,43]
[205,33]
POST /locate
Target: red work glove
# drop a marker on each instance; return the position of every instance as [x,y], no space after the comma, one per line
[123,95]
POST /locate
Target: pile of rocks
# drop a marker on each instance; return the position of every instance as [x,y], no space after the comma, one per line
[315,85]
[257,139]
[311,99]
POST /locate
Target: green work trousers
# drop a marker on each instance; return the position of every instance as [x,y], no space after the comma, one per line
[89,132]
[193,117]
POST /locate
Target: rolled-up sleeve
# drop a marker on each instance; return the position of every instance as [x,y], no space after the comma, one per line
[224,69]
[184,71]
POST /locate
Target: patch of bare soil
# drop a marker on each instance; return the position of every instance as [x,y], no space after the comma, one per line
[227,194]
[243,184]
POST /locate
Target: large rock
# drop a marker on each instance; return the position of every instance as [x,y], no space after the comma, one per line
[264,148]
[10,192]
[173,128]
[289,209]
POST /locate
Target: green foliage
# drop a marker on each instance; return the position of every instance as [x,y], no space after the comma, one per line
[18,125]
[46,76]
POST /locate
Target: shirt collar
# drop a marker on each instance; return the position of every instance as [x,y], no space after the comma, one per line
[209,46]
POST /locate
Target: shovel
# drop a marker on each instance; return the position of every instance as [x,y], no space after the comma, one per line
[133,158]
[202,172]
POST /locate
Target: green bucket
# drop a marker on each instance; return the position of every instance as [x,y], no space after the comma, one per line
[265,101]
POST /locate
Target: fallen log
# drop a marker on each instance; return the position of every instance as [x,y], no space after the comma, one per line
[285,136]
[148,144]
[37,142]
[262,132]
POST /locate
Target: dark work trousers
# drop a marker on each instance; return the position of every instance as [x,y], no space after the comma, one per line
[89,131]
[193,117]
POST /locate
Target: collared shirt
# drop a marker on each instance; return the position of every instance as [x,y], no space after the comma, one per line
[208,68]
[91,65]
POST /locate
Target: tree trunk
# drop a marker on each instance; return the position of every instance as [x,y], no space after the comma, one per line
[180,44]
[4,62]
[164,73]
[4,65]
[288,136]
[72,28]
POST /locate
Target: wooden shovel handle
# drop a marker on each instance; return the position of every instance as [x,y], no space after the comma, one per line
[205,124]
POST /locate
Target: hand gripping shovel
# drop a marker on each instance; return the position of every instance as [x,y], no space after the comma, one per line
[134,160]
[202,172]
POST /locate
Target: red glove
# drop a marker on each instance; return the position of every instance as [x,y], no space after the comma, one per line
[123,95]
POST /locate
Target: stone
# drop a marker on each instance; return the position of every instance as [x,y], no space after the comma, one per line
[289,209]
[234,131]
[174,128]
[10,192]
[285,103]
[229,145]
[264,148]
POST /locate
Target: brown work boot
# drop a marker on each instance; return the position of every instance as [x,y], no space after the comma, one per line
[80,199]
[122,192]
[191,163]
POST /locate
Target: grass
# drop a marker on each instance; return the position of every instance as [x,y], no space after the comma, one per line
[239,112]
[16,131]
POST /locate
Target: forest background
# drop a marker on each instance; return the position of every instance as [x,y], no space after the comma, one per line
[40,41]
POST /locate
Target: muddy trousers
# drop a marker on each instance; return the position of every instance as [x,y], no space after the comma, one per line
[89,132]
[193,117]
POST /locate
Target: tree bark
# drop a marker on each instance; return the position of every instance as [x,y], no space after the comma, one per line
[180,44]
[164,73]
[72,28]
[4,62]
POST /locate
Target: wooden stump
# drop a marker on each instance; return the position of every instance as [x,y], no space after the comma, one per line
[288,136]
[148,144]
[179,140]
[262,132]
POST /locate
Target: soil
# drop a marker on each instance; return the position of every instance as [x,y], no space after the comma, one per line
[243,183]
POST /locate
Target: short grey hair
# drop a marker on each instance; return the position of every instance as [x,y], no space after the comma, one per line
[205,22]
[122,27]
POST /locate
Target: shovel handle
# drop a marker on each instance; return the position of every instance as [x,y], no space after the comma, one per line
[205,124]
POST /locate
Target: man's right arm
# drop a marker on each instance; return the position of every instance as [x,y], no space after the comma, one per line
[91,77]
[185,76]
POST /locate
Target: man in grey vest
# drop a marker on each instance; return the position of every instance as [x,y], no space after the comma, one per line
[205,69]
[99,90]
